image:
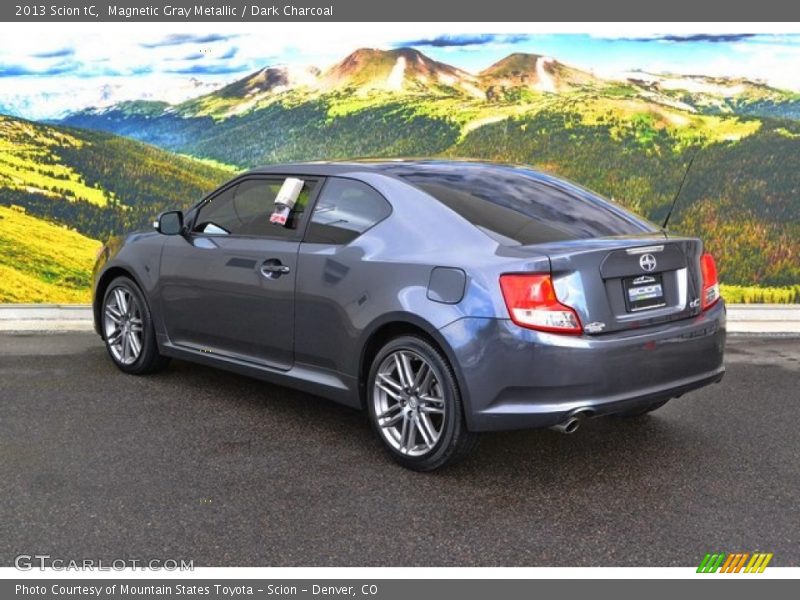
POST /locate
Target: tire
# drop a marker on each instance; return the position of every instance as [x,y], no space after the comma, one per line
[421,425]
[127,329]
[642,410]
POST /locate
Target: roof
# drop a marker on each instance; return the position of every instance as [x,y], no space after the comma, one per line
[406,168]
[392,167]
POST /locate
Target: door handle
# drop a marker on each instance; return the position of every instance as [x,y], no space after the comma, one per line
[273,268]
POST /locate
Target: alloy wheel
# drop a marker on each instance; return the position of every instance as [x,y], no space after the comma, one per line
[123,325]
[409,403]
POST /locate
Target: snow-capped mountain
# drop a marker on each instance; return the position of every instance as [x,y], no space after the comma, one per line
[49,99]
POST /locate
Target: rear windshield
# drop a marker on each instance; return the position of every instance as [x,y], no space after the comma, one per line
[517,206]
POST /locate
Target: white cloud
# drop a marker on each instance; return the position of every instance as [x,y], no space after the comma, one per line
[129,58]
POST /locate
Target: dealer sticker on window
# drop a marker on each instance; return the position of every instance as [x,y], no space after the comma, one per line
[285,200]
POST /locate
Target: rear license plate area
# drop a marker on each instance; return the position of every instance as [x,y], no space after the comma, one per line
[643,292]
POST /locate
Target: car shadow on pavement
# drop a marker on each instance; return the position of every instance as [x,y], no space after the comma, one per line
[607,446]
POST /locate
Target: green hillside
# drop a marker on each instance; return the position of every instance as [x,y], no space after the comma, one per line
[94,182]
[630,139]
[741,196]
[41,261]
[69,188]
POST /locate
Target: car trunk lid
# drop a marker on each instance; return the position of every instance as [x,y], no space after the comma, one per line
[621,283]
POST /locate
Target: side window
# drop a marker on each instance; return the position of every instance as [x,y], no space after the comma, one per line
[217,215]
[345,209]
[245,209]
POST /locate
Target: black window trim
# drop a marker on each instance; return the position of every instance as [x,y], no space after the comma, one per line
[298,233]
[310,215]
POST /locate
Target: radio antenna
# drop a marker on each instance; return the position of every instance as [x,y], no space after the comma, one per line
[680,188]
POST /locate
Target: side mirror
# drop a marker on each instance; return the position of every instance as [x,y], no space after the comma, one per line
[169,222]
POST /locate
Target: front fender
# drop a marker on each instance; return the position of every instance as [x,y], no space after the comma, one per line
[137,256]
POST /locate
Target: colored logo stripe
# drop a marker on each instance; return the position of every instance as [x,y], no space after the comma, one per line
[734,563]
[710,563]
[758,563]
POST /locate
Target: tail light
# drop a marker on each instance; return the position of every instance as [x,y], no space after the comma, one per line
[532,303]
[708,269]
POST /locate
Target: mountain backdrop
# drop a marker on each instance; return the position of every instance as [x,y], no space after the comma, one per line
[103,170]
[62,190]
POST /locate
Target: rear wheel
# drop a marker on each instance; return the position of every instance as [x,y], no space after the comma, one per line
[642,410]
[128,329]
[415,406]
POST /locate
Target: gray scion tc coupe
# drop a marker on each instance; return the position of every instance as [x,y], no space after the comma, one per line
[445,298]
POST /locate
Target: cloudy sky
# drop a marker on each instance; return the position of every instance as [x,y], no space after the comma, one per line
[45,71]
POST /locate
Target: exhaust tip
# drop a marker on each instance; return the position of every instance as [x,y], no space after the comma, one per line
[573,421]
[570,425]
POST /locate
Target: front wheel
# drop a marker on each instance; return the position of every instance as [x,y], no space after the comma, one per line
[128,329]
[415,406]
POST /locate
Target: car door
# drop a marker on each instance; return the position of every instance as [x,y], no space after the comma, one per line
[339,290]
[227,286]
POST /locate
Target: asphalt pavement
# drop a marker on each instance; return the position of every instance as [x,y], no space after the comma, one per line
[195,463]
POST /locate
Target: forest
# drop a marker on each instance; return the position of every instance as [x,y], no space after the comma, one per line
[741,195]
[102,172]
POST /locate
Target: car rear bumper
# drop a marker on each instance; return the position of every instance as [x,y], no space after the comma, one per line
[515,378]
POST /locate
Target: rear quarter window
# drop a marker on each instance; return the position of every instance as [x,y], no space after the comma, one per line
[345,209]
